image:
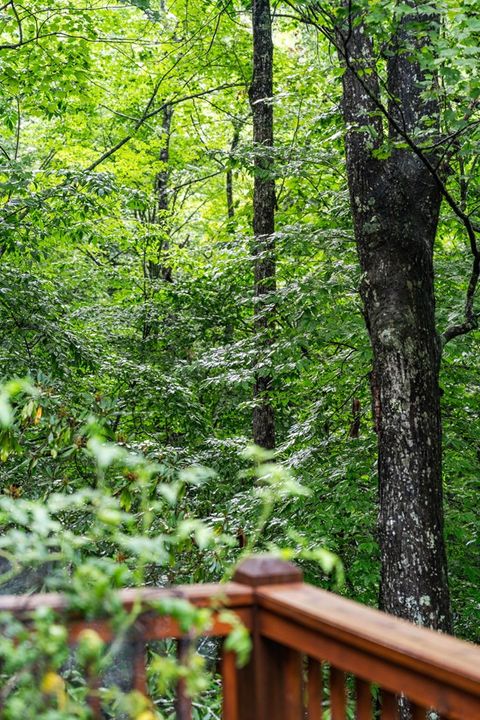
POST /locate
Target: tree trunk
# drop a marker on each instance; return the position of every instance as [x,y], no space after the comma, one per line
[395,206]
[157,267]
[261,92]
[229,177]
[160,268]
[398,296]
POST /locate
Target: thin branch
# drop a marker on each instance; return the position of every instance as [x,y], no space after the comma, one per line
[22,211]
[93,258]
[102,40]
[19,23]
[5,153]
[48,159]
[148,115]
[187,183]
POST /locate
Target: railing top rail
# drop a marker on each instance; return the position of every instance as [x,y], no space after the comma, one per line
[355,638]
[377,634]
[232,595]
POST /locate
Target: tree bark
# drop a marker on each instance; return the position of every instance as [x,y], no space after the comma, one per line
[229,177]
[261,92]
[395,205]
[158,267]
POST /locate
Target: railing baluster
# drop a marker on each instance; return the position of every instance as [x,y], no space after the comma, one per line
[271,685]
[184,703]
[230,697]
[418,713]
[140,669]
[93,698]
[389,706]
[293,684]
[314,690]
[338,695]
[363,699]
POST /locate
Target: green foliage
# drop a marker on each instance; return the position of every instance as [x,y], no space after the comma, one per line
[135,329]
[90,542]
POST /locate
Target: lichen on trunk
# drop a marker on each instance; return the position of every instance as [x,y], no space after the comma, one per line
[395,205]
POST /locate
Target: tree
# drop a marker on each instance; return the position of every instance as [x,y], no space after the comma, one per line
[395,205]
[155,263]
[85,258]
[397,163]
[261,92]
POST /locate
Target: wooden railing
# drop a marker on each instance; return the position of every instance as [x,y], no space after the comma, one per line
[315,655]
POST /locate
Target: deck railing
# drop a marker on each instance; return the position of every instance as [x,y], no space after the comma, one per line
[315,655]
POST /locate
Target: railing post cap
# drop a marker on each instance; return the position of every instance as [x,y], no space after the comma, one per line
[266,570]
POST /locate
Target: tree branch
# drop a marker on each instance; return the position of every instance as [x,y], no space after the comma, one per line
[148,115]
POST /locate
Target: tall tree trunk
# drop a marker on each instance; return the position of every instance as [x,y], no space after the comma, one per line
[261,92]
[157,267]
[395,205]
[229,176]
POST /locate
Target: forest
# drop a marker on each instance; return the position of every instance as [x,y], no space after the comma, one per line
[239,258]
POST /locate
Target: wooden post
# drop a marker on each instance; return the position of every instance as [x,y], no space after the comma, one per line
[270,686]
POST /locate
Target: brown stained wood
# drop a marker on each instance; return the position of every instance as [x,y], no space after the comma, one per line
[314,690]
[230,696]
[140,670]
[418,712]
[102,627]
[160,627]
[183,704]
[93,697]
[230,595]
[155,627]
[292,685]
[363,698]
[279,682]
[261,570]
[270,687]
[338,694]
[382,636]
[271,684]
[289,619]
[248,684]
[93,702]
[389,705]
[449,700]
